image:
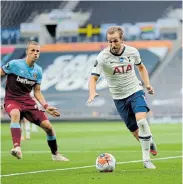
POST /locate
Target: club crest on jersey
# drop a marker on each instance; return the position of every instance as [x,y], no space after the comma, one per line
[7,65]
[129,59]
[35,75]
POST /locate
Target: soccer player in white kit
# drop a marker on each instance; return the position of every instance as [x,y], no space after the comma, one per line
[117,62]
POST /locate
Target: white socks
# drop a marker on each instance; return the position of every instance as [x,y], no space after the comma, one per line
[27,129]
[144,138]
[34,128]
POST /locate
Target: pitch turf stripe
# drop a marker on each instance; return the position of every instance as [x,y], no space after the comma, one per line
[83,167]
[75,151]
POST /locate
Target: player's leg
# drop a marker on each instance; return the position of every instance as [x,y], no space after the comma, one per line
[153,147]
[144,135]
[127,115]
[22,130]
[13,110]
[52,142]
[27,128]
[140,109]
[136,134]
[34,128]
[135,131]
[124,109]
[132,126]
[38,117]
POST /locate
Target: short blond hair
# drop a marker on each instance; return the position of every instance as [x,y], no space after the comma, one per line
[31,43]
[114,29]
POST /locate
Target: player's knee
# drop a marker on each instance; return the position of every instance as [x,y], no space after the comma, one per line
[49,130]
[15,115]
[144,129]
[47,127]
[140,115]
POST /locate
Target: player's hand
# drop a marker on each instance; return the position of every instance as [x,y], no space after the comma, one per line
[52,111]
[150,89]
[92,97]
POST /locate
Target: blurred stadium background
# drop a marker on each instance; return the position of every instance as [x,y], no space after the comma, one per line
[72,33]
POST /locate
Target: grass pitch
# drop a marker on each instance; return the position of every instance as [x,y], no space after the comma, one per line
[82,143]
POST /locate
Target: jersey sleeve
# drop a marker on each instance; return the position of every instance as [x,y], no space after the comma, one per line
[137,58]
[39,78]
[97,68]
[8,67]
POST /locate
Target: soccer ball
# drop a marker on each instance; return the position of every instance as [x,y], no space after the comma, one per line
[105,162]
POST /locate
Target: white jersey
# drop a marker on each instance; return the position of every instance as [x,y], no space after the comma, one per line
[119,71]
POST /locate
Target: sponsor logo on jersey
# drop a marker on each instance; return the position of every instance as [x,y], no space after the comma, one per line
[122,69]
[25,81]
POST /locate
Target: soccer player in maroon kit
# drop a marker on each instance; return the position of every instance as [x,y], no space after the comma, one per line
[23,76]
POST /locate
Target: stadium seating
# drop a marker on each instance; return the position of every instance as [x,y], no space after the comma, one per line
[22,10]
[123,11]
[72,103]
[168,85]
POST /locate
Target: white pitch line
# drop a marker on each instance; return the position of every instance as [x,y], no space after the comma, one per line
[82,167]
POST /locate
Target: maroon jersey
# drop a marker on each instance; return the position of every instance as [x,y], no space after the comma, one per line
[20,80]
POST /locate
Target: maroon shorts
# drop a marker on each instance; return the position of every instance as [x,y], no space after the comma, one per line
[31,112]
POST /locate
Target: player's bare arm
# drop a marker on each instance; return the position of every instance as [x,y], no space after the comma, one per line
[39,96]
[2,72]
[92,88]
[145,77]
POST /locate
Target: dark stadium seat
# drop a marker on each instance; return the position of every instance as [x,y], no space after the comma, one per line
[114,11]
[168,85]
[21,10]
